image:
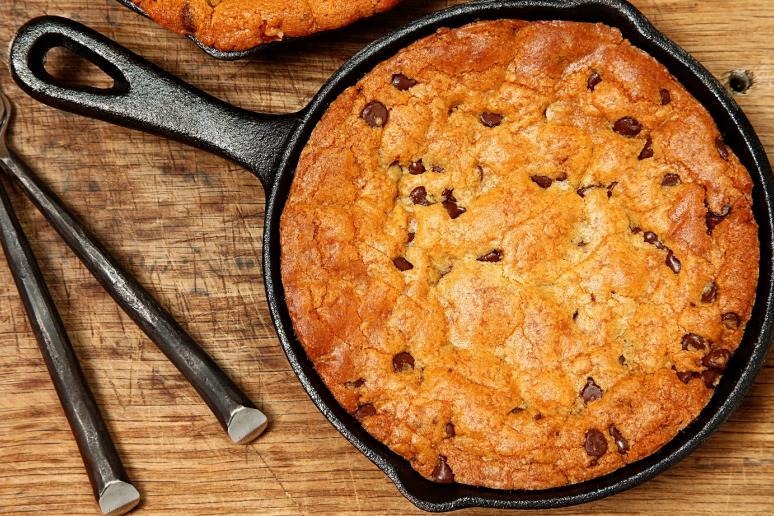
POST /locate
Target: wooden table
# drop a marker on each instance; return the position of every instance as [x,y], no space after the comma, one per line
[189,225]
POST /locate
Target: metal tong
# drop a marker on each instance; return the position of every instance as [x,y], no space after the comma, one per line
[233,409]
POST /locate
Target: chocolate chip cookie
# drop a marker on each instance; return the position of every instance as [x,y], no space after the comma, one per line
[234,25]
[520,253]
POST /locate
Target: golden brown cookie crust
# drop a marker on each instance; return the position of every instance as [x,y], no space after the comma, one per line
[569,320]
[234,25]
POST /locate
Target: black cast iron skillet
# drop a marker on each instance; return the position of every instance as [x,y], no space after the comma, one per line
[147,98]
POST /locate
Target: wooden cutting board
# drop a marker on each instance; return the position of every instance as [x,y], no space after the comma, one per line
[189,226]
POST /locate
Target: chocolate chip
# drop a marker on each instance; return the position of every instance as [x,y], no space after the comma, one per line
[493,256]
[403,82]
[419,196]
[673,262]
[651,238]
[542,181]
[438,169]
[538,416]
[442,472]
[591,391]
[596,444]
[189,25]
[686,376]
[710,378]
[720,145]
[517,410]
[491,119]
[582,243]
[403,361]
[575,315]
[583,189]
[716,359]
[411,236]
[647,150]
[610,189]
[621,359]
[731,320]
[562,176]
[365,410]
[355,384]
[666,97]
[710,292]
[450,431]
[620,442]
[375,114]
[627,126]
[416,168]
[713,219]
[450,204]
[671,180]
[402,264]
[691,340]
[593,80]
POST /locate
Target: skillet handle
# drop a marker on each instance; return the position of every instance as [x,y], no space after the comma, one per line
[145,97]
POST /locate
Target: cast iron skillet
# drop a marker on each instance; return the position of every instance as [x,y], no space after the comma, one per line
[147,98]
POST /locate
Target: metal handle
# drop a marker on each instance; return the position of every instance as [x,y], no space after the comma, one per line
[112,489]
[233,409]
[145,97]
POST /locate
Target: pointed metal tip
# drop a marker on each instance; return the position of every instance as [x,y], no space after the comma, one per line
[246,425]
[118,497]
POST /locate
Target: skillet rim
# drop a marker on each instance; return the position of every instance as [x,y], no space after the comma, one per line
[746,362]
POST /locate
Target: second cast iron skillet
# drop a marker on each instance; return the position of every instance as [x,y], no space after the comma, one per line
[147,98]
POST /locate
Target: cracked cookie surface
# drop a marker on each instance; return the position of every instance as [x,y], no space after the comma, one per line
[234,25]
[519,253]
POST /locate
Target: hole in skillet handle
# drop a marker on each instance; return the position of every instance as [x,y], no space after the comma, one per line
[742,369]
[70,55]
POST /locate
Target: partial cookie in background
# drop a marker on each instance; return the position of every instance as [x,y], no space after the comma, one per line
[237,25]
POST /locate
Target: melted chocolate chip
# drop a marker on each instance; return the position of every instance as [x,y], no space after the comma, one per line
[713,219]
[450,204]
[710,378]
[716,359]
[710,292]
[691,340]
[591,391]
[419,196]
[731,320]
[449,429]
[575,315]
[671,180]
[562,176]
[493,256]
[610,189]
[651,238]
[647,150]
[583,189]
[189,25]
[402,264]
[375,114]
[621,359]
[720,145]
[596,444]
[686,376]
[627,126]
[442,472]
[542,181]
[593,80]
[666,97]
[403,82]
[491,119]
[582,243]
[410,238]
[355,384]
[620,442]
[416,168]
[538,416]
[673,262]
[365,410]
[438,169]
[636,229]
[403,361]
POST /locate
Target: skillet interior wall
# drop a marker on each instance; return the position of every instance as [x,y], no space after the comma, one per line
[189,226]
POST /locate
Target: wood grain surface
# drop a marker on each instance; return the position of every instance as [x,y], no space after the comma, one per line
[189,226]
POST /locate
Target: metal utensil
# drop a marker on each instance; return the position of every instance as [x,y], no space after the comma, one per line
[233,409]
[112,488]
[150,99]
